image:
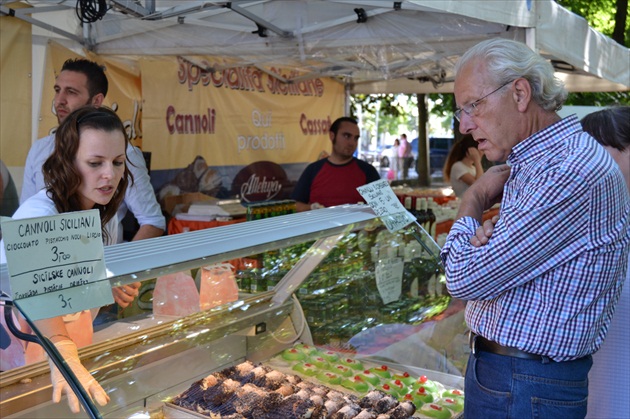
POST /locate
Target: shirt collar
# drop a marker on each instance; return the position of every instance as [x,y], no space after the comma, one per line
[543,141]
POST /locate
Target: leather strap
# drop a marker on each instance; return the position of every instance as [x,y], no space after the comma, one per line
[479,343]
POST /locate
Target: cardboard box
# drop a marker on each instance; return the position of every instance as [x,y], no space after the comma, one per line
[170,202]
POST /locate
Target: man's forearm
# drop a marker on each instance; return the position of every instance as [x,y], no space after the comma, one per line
[301,206]
[471,206]
[148,231]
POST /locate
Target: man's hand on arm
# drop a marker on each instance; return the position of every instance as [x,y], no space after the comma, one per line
[484,193]
[483,233]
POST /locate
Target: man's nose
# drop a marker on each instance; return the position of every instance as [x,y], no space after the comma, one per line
[466,124]
[60,97]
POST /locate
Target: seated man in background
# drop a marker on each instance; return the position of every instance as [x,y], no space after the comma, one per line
[334,180]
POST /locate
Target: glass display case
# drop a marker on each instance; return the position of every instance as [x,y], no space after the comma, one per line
[334,278]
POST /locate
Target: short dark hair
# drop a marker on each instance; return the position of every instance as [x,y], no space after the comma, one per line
[96,78]
[335,125]
[610,126]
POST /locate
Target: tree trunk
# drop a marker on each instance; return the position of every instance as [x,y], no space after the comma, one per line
[620,22]
[422,160]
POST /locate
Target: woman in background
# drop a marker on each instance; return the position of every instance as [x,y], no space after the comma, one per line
[394,166]
[609,377]
[87,170]
[463,165]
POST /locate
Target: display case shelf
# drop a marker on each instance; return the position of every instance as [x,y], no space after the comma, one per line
[298,259]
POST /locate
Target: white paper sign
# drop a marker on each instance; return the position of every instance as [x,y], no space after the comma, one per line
[56,263]
[389,273]
[383,201]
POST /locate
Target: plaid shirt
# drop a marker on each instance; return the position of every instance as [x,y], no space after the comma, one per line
[548,279]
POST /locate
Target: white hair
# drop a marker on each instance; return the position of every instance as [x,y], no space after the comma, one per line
[508,60]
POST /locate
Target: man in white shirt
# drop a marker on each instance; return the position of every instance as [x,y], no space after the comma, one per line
[82,82]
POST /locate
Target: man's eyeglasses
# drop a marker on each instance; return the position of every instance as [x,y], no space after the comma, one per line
[471,109]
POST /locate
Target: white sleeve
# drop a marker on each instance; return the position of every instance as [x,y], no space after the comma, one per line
[33,180]
[458,170]
[140,197]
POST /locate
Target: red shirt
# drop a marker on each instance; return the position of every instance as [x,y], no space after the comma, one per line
[330,184]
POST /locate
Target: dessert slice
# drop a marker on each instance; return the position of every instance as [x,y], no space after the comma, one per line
[382,371]
[356,383]
[306,368]
[341,370]
[352,363]
[433,410]
[293,354]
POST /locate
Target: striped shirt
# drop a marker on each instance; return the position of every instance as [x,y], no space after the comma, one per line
[548,279]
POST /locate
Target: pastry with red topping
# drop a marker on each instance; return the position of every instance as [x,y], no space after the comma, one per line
[319,362]
[330,356]
[428,385]
[352,363]
[293,354]
[433,410]
[405,378]
[306,368]
[341,370]
[329,377]
[382,371]
[356,383]
[455,404]
[370,377]
[419,396]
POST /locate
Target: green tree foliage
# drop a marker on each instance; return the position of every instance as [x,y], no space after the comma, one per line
[609,17]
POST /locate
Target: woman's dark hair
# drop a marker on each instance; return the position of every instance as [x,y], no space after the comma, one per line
[457,153]
[61,177]
[610,126]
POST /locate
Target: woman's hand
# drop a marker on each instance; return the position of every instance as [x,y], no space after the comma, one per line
[123,296]
[68,351]
[474,154]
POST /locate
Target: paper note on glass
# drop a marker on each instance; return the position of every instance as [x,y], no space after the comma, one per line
[385,204]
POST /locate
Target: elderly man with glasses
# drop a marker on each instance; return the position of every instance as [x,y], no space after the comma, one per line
[541,282]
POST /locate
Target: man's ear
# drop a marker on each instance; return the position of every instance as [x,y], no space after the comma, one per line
[331,135]
[97,99]
[522,93]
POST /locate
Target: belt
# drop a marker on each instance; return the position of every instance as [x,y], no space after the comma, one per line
[479,343]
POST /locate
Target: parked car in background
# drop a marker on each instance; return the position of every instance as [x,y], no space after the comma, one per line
[370,156]
[438,150]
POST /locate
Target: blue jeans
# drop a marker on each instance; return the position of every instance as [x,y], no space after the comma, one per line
[504,387]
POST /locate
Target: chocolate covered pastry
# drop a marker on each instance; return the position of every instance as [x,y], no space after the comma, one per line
[246,391]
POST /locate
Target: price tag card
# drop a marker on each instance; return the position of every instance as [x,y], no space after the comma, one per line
[389,273]
[383,201]
[56,263]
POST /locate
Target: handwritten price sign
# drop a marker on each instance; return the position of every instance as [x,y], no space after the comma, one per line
[389,274]
[383,201]
[56,263]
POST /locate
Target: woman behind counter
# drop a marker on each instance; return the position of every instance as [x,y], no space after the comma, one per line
[87,170]
[463,165]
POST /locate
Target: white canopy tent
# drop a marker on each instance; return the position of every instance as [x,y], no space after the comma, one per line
[377,46]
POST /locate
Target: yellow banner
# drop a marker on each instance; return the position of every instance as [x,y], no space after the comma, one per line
[124,94]
[233,115]
[16,88]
